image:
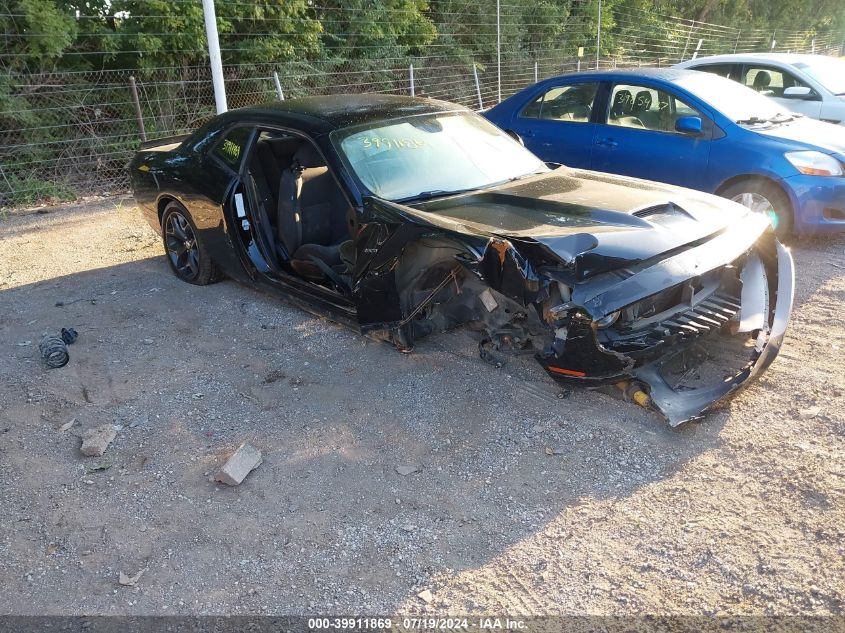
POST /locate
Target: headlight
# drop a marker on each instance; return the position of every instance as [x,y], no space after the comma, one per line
[607,321]
[815,163]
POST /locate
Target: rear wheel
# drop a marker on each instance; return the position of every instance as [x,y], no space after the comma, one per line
[185,250]
[766,198]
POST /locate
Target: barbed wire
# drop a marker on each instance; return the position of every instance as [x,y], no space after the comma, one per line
[68,133]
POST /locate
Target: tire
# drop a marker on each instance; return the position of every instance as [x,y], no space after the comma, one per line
[764,197]
[185,251]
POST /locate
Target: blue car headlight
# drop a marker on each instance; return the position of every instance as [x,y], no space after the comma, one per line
[812,163]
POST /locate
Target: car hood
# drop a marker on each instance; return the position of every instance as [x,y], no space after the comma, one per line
[810,133]
[592,221]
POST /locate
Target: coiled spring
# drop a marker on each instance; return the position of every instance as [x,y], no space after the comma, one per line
[54,351]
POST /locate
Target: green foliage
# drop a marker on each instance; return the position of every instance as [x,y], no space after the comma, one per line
[29,190]
[50,124]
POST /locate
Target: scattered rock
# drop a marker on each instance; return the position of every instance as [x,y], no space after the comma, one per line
[96,441]
[407,470]
[67,425]
[426,596]
[809,413]
[553,451]
[24,343]
[243,461]
[130,581]
[147,341]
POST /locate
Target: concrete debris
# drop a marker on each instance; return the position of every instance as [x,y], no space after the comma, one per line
[96,441]
[243,461]
[407,470]
[426,596]
[130,581]
[809,413]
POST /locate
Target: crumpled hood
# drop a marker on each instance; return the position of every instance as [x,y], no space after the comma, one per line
[594,221]
[810,133]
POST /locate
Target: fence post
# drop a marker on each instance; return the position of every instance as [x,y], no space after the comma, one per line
[499,48]
[697,48]
[536,72]
[411,79]
[686,45]
[278,86]
[477,87]
[136,104]
[736,45]
[598,39]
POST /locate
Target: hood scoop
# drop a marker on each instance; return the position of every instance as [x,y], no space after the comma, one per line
[666,210]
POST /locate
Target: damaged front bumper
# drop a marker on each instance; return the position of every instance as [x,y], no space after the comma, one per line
[719,294]
[680,406]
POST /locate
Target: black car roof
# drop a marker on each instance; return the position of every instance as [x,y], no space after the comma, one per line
[331,112]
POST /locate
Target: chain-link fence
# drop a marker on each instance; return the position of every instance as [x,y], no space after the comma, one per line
[72,133]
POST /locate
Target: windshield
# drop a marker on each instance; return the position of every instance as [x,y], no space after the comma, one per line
[428,155]
[735,101]
[828,71]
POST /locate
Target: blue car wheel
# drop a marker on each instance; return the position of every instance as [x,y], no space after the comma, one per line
[763,197]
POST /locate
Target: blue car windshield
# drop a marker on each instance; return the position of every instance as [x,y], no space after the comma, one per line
[429,155]
[828,71]
[735,101]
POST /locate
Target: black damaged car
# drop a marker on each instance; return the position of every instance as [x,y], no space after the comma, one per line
[403,217]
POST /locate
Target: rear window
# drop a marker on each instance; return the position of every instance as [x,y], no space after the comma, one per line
[230,149]
[572,102]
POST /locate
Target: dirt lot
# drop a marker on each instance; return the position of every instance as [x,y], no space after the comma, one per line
[743,513]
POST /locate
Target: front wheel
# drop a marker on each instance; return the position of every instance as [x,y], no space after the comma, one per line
[766,198]
[186,252]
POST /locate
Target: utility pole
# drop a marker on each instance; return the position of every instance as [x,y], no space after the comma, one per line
[214,56]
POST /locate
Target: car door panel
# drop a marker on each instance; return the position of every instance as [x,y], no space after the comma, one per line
[557,125]
[637,138]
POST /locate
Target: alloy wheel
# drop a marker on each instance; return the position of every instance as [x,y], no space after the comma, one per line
[181,245]
[758,204]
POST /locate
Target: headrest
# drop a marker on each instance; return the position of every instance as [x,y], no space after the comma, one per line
[284,148]
[762,79]
[623,96]
[623,102]
[308,157]
[643,101]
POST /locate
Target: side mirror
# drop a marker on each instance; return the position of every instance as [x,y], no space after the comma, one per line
[799,92]
[515,137]
[689,125]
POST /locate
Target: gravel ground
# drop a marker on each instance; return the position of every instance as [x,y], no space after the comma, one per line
[739,514]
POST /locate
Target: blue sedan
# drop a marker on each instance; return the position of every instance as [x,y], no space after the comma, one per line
[691,129]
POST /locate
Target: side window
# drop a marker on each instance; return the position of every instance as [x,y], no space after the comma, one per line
[729,71]
[564,103]
[646,108]
[770,81]
[230,150]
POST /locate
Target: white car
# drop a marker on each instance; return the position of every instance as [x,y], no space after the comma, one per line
[812,85]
